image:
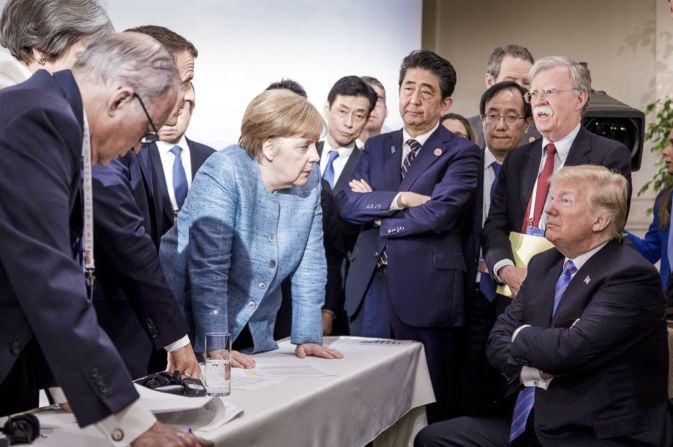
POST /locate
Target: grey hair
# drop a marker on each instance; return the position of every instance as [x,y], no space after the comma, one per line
[50,26]
[495,59]
[580,78]
[607,191]
[130,59]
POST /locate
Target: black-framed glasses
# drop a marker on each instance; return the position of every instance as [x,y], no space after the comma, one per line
[148,138]
[493,118]
[544,93]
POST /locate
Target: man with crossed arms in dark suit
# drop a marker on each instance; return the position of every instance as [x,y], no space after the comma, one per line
[49,127]
[411,188]
[586,335]
[559,94]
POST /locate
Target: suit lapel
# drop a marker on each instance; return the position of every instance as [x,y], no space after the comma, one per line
[532,164]
[432,150]
[66,83]
[581,286]
[580,149]
[351,163]
[392,160]
[163,200]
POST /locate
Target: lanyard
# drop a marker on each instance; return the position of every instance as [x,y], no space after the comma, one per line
[87,242]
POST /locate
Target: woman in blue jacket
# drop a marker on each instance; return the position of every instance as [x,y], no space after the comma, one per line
[253,218]
[654,246]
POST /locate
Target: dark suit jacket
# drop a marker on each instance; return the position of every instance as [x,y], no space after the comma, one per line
[134,304]
[163,209]
[611,366]
[42,291]
[517,179]
[426,263]
[339,235]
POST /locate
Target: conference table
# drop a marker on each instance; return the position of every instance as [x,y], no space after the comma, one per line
[377,392]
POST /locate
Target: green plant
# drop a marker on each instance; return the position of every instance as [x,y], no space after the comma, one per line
[657,133]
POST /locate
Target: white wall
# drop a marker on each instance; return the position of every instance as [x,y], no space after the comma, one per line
[244,45]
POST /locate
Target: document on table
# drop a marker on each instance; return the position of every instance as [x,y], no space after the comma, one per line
[348,343]
[252,379]
[290,368]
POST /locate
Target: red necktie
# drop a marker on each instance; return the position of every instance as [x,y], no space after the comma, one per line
[541,189]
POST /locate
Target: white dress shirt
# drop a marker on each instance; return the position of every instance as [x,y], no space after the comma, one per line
[167,161]
[339,163]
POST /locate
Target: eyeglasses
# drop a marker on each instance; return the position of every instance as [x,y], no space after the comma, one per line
[544,93]
[148,138]
[493,118]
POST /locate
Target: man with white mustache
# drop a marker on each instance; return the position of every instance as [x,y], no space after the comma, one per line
[559,95]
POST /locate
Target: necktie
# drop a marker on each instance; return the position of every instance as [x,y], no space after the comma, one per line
[541,189]
[414,147]
[328,175]
[526,398]
[496,170]
[179,177]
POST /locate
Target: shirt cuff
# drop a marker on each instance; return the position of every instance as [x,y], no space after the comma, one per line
[533,377]
[122,428]
[393,204]
[58,395]
[500,264]
[184,341]
[516,332]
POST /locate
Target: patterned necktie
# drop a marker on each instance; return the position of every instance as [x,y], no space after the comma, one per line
[541,189]
[328,175]
[526,398]
[414,147]
[179,177]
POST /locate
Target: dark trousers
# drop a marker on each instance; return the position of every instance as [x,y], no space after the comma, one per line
[373,317]
[481,384]
[19,391]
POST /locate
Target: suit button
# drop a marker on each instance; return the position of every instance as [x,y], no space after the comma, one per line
[262,285]
[272,264]
[15,348]
[271,237]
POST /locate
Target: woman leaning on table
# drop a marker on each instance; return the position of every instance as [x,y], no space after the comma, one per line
[252,219]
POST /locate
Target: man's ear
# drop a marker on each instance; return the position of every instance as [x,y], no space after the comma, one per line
[600,222]
[120,99]
[446,104]
[489,80]
[326,107]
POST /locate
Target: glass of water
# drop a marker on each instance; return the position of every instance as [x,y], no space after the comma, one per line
[217,357]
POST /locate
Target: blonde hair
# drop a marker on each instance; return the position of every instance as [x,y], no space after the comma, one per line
[278,113]
[607,191]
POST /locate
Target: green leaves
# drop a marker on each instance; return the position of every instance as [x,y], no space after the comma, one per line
[657,133]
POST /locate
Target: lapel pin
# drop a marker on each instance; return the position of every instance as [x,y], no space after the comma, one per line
[587,280]
[392,149]
[438,152]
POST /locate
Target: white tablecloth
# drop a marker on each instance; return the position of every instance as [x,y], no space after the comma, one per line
[373,387]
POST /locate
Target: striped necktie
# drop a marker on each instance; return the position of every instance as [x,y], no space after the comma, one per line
[414,147]
[526,398]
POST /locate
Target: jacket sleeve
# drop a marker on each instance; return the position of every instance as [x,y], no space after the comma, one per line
[650,245]
[39,171]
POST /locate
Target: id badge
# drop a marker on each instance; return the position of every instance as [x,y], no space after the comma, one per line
[534,231]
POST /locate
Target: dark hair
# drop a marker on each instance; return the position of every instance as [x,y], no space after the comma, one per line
[433,63]
[497,88]
[471,135]
[665,209]
[352,86]
[495,60]
[288,84]
[172,41]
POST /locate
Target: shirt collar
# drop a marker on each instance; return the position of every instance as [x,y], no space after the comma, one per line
[489,158]
[165,147]
[421,138]
[582,259]
[562,145]
[343,151]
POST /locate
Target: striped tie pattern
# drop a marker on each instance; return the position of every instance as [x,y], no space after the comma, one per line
[526,398]
[414,147]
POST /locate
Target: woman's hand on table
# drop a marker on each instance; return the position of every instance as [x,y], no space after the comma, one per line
[315,350]
[239,360]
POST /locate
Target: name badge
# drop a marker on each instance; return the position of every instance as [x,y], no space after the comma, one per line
[534,231]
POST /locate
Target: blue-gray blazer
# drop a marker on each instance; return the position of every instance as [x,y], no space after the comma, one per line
[233,245]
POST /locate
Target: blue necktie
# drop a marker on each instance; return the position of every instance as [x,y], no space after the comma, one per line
[414,147]
[526,398]
[328,175]
[179,177]
[486,286]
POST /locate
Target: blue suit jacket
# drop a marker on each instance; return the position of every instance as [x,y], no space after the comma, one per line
[426,263]
[42,291]
[233,245]
[654,245]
